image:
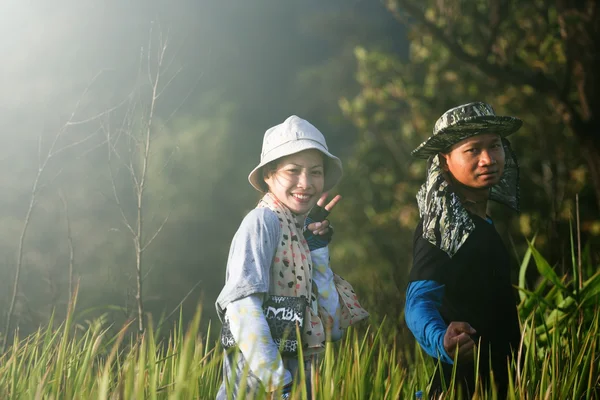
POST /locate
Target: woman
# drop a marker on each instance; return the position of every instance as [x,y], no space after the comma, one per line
[273,254]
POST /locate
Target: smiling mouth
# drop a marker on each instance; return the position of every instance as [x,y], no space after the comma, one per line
[301,197]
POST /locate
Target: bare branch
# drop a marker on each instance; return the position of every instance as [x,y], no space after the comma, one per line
[20,252]
[125,220]
[39,151]
[157,232]
[185,98]
[75,144]
[169,82]
[181,302]
[85,92]
[149,125]
[149,51]
[70,241]
[168,161]
[50,181]
[114,188]
[134,151]
[35,188]
[167,68]
[106,112]
[91,149]
[112,147]
[133,176]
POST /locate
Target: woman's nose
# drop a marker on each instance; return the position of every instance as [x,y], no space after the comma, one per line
[303,180]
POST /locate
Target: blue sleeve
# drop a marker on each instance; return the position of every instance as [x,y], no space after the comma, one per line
[423,299]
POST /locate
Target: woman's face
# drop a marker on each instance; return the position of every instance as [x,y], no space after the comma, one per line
[298,180]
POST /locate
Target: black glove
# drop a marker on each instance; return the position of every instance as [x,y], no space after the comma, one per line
[317,214]
[286,393]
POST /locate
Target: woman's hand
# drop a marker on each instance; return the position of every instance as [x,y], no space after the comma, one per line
[318,230]
[286,393]
[318,224]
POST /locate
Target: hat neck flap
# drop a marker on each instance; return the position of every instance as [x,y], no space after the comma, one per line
[446,222]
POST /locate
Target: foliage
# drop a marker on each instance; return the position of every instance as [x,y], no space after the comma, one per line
[548,47]
[558,303]
[399,102]
[559,317]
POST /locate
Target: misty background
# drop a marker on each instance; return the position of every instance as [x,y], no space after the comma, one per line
[85,85]
[230,71]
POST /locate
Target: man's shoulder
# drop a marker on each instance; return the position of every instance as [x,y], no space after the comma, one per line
[418,231]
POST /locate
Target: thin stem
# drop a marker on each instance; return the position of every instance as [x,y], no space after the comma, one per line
[70,240]
[579,267]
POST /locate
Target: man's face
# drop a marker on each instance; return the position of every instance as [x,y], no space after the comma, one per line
[476,162]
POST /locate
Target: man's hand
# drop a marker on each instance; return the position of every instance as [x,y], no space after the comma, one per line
[458,335]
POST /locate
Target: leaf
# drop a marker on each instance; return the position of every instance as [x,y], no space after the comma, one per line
[533,298]
[544,268]
[573,258]
[591,288]
[523,269]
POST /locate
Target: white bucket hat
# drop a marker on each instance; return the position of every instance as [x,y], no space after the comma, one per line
[293,136]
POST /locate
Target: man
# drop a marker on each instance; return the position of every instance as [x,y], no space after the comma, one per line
[459,302]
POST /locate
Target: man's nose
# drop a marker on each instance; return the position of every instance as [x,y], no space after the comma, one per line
[486,158]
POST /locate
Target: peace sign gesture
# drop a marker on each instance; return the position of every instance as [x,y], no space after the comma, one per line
[318,224]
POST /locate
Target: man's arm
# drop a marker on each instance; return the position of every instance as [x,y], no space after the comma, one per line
[423,300]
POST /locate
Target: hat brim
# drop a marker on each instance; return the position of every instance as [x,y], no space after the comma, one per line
[445,138]
[333,165]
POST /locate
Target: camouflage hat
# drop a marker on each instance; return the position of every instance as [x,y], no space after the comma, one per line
[462,122]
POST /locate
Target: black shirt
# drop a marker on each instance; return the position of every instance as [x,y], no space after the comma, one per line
[478,290]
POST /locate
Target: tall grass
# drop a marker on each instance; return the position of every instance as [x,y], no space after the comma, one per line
[68,363]
[561,352]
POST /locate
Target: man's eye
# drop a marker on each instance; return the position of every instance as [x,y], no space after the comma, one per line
[317,173]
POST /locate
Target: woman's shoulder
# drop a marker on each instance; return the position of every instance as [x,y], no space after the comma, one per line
[260,219]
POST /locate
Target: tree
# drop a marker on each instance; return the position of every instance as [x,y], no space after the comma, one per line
[552,47]
[130,147]
[399,103]
[47,172]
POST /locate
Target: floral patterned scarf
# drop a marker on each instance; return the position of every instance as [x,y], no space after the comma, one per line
[291,275]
